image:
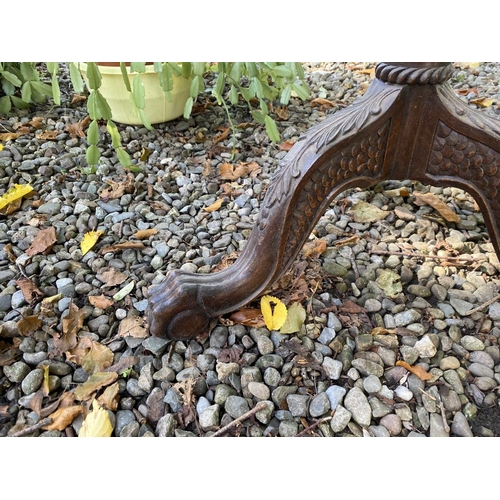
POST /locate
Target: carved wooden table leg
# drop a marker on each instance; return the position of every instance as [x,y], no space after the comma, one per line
[408,125]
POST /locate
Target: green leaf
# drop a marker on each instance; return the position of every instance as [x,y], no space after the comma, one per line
[11,78]
[285,95]
[195,86]
[176,69]
[43,88]
[139,67]
[103,106]
[93,133]
[145,120]
[302,90]
[259,117]
[7,87]
[123,157]
[283,71]
[19,103]
[263,107]
[123,69]
[199,68]
[233,95]
[92,108]
[28,71]
[5,105]
[252,69]
[219,88]
[53,68]
[26,92]
[186,69]
[299,70]
[76,78]
[114,133]
[93,76]
[92,155]
[56,92]
[236,71]
[294,319]
[188,108]
[139,92]
[259,90]
[166,79]
[271,129]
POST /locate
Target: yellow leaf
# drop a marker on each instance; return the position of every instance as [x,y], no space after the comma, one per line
[14,193]
[274,312]
[89,240]
[97,423]
[62,418]
[1,147]
[366,212]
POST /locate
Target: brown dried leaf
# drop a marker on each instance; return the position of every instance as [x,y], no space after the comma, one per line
[112,277]
[214,206]
[483,102]
[43,242]
[350,307]
[314,248]
[62,418]
[79,351]
[143,234]
[78,98]
[9,136]
[248,317]
[444,210]
[416,370]
[47,135]
[10,254]
[380,330]
[230,172]
[118,189]
[352,240]
[100,301]
[223,135]
[12,207]
[122,246]
[37,122]
[109,398]
[282,112]
[93,384]
[133,327]
[29,325]
[286,146]
[322,103]
[71,325]
[31,293]
[97,359]
[78,129]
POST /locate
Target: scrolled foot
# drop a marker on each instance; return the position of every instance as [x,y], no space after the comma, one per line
[174,311]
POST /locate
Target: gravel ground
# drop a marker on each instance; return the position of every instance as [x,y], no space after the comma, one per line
[341,375]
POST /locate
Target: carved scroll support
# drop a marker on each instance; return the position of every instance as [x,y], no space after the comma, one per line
[409,125]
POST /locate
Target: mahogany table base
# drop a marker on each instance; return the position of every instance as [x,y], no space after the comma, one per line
[408,125]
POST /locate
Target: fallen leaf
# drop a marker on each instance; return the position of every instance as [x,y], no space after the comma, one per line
[32,295]
[112,277]
[93,384]
[29,325]
[483,102]
[36,122]
[47,135]
[352,240]
[390,282]
[72,323]
[314,248]
[223,135]
[366,212]
[43,242]
[37,400]
[229,172]
[98,358]
[144,234]
[248,317]
[122,246]
[109,398]
[286,146]
[282,112]
[97,423]
[214,206]
[62,418]
[89,240]
[118,189]
[9,136]
[124,291]
[79,351]
[45,384]
[16,192]
[78,129]
[133,327]
[274,312]
[416,370]
[100,301]
[78,98]
[322,103]
[380,330]
[296,315]
[444,210]
[351,307]
[47,305]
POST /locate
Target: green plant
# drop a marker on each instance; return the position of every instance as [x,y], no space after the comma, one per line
[260,85]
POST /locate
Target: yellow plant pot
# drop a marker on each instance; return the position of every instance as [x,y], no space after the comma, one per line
[158,109]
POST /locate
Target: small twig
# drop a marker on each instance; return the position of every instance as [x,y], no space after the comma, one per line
[312,426]
[258,407]
[427,394]
[443,416]
[353,263]
[32,428]
[482,306]
[422,255]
